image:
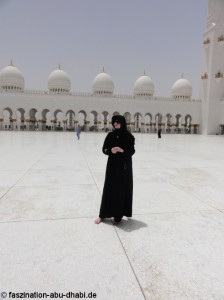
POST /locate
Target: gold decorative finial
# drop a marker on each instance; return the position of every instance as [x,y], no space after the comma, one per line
[59,66]
[182,75]
[103,70]
[144,72]
[11,63]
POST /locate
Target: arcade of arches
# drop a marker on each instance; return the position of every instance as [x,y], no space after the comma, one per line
[59,120]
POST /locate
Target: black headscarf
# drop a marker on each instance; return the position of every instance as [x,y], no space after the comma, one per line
[121,120]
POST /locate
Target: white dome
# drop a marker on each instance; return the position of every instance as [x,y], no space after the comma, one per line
[59,82]
[103,84]
[11,79]
[182,88]
[144,86]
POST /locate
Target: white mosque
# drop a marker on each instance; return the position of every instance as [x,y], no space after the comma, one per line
[59,108]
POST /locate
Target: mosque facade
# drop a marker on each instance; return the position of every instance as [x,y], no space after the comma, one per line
[60,109]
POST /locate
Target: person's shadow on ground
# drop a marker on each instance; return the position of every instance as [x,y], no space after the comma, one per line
[131,225]
[127,225]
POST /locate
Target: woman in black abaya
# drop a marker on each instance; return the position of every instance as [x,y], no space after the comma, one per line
[118,186]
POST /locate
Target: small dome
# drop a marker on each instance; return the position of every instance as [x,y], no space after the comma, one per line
[11,79]
[59,81]
[103,84]
[144,86]
[182,88]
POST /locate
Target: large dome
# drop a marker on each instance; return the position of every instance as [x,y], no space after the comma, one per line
[103,84]
[144,86]
[59,81]
[182,88]
[11,79]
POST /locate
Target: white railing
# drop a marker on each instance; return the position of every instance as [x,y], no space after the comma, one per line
[86,94]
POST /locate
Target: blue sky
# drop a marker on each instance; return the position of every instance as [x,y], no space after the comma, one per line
[125,37]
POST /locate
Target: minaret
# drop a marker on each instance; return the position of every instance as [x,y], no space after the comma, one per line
[212,75]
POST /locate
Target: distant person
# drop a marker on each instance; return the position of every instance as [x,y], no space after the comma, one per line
[159,133]
[78,131]
[118,186]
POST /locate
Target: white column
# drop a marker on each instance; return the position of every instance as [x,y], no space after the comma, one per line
[13,121]
[38,117]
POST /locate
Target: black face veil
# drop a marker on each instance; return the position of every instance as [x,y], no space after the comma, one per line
[121,120]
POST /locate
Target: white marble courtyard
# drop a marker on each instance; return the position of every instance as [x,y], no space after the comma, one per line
[50,193]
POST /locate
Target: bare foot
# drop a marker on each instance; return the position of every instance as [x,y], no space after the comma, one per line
[98,221]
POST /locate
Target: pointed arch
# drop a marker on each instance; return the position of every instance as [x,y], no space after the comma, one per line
[168,119]
[148,118]
[178,119]
[158,118]
[127,116]
[188,121]
[82,119]
[7,117]
[70,119]
[137,121]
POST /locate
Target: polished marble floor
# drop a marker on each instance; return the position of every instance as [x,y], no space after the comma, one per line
[50,192]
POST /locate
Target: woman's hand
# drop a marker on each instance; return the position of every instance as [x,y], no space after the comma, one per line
[120,150]
[114,150]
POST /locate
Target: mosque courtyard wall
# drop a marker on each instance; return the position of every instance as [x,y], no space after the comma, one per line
[42,110]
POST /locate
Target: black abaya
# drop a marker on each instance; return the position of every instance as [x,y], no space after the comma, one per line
[118,186]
